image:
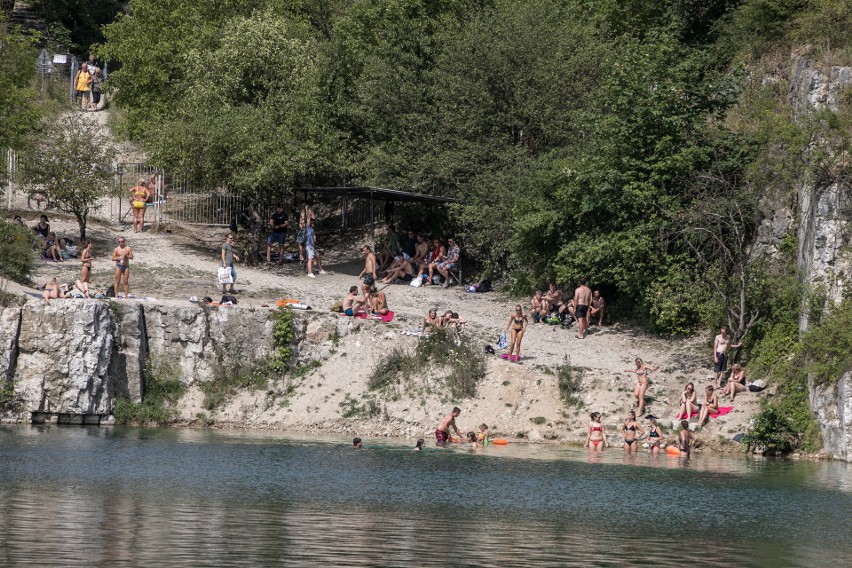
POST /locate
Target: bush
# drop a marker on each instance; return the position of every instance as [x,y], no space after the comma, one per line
[16,250]
[163,389]
[463,362]
[570,380]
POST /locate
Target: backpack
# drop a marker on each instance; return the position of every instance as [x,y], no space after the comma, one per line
[110,292]
[484,286]
[229,299]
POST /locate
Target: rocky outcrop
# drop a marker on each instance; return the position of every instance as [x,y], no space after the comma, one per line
[79,356]
[824,256]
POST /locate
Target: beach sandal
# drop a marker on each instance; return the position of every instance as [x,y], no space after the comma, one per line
[505,356]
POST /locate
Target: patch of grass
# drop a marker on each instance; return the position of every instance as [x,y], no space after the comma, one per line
[462,365]
[226,385]
[538,420]
[570,380]
[353,408]
[205,420]
[163,389]
[506,383]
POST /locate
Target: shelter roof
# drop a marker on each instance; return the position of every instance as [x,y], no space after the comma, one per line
[377,193]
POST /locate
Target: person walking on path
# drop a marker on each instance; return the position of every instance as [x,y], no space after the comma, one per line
[83,86]
[122,255]
[228,258]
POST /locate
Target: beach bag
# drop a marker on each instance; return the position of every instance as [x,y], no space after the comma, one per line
[225,275]
[501,342]
[484,286]
[300,237]
[228,299]
[110,292]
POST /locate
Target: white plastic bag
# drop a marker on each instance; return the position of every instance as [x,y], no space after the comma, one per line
[416,283]
[225,275]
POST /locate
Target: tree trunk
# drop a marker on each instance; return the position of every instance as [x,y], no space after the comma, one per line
[81,223]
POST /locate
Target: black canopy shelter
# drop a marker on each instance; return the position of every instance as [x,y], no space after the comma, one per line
[373,193]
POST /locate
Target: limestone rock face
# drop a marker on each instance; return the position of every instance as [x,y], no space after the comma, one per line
[10,319]
[64,352]
[833,405]
[130,350]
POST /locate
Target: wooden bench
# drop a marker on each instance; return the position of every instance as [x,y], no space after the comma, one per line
[455,274]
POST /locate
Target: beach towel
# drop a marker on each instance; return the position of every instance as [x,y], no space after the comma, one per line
[723,410]
[387,318]
[412,332]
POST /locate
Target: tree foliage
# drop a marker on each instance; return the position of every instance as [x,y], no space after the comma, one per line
[71,164]
[19,108]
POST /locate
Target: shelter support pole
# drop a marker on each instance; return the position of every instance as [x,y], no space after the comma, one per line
[373,219]
[10,155]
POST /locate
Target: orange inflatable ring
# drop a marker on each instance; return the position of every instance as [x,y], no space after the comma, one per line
[500,442]
[285,302]
[672,450]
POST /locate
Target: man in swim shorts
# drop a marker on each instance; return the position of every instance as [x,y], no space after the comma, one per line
[582,299]
[122,255]
[720,354]
[352,303]
[442,432]
[369,273]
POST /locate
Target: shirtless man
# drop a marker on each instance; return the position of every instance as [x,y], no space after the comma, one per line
[378,302]
[442,432]
[552,299]
[400,269]
[421,249]
[538,306]
[720,354]
[598,307]
[369,273]
[121,255]
[352,303]
[582,299]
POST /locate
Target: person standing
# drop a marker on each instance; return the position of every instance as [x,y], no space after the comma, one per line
[442,432]
[122,255]
[582,299]
[86,271]
[518,323]
[139,195]
[720,354]
[278,223]
[228,258]
[311,250]
[83,85]
[369,273]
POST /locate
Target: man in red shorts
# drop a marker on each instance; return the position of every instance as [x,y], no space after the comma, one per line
[442,432]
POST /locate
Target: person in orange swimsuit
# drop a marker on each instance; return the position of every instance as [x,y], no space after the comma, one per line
[596,440]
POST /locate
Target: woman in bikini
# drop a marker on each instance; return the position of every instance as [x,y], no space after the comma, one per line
[642,369]
[431,321]
[518,322]
[629,431]
[684,438]
[736,382]
[139,195]
[687,402]
[86,271]
[54,290]
[654,438]
[596,439]
[710,406]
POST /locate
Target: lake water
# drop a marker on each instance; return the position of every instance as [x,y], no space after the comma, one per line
[145,497]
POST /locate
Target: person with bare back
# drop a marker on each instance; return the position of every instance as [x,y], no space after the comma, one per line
[122,255]
[369,273]
[582,300]
[442,432]
[720,354]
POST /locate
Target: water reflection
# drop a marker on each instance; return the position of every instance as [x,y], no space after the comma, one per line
[187,498]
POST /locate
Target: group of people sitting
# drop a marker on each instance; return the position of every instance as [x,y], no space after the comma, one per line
[51,247]
[449,320]
[417,260]
[551,307]
[372,303]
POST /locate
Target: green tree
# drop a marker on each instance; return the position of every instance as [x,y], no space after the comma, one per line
[19,106]
[70,164]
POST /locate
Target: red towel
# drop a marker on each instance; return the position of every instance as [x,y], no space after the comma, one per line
[723,410]
[387,318]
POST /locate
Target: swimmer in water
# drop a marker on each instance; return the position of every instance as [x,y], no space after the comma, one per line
[654,438]
[631,430]
[684,438]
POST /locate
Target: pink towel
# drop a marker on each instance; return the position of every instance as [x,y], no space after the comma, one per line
[723,410]
[387,318]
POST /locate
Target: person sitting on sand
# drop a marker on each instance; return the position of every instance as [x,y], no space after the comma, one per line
[596,439]
[684,439]
[688,403]
[538,307]
[566,310]
[452,321]
[632,431]
[378,302]
[642,369]
[553,299]
[518,323]
[54,290]
[736,382]
[400,269]
[419,446]
[597,309]
[352,303]
[654,438]
[442,432]
[393,249]
[483,435]
[356,443]
[431,321]
[710,406]
[51,248]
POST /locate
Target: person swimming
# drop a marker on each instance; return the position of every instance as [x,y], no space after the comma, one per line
[596,440]
[482,435]
[471,437]
[419,445]
[629,431]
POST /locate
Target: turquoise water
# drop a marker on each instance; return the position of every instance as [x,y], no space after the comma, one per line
[143,497]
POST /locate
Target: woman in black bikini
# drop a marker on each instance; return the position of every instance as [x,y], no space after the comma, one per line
[518,323]
[628,430]
[736,382]
[684,438]
[710,406]
[642,369]
[687,402]
[596,440]
[654,438]
[86,273]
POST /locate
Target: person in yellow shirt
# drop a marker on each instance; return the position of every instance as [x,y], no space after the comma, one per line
[83,84]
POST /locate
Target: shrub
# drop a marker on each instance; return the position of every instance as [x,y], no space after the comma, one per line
[16,250]
[163,389]
[570,380]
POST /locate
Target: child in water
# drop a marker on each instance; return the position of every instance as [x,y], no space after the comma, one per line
[482,436]
[684,438]
[471,437]
[419,445]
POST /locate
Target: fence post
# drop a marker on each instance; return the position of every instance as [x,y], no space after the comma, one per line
[71,86]
[9,178]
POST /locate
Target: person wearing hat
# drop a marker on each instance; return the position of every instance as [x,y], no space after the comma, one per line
[139,195]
